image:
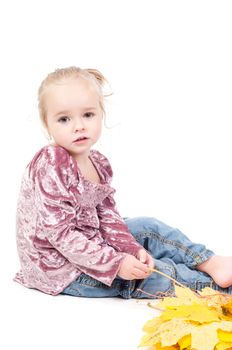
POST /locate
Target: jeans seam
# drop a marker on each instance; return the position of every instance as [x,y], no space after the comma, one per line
[198,258]
[198,285]
[71,289]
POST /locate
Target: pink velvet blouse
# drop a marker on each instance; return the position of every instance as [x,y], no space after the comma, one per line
[67,225]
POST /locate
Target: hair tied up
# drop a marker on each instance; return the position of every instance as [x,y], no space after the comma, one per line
[97,75]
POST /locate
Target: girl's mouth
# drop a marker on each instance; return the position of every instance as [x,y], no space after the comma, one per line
[81,139]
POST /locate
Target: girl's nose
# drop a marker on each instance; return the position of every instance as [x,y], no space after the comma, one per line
[79,125]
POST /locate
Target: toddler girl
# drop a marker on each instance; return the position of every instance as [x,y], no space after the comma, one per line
[70,237]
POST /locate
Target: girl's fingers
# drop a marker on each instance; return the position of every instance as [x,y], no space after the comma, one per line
[142,255]
[140,266]
[138,274]
[151,262]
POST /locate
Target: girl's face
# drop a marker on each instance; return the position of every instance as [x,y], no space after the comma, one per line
[73,115]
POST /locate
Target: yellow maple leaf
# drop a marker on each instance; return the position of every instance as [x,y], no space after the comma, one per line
[194,312]
[160,347]
[227,308]
[167,333]
[184,296]
[191,321]
[151,325]
[215,299]
[203,336]
[224,336]
[185,342]
[223,346]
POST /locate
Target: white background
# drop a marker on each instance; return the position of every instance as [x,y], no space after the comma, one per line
[169,141]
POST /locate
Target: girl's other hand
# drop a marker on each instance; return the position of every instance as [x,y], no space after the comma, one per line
[132,268]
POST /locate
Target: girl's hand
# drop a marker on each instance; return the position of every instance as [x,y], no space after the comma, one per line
[145,258]
[132,268]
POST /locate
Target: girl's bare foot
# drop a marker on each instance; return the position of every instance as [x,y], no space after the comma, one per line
[219,268]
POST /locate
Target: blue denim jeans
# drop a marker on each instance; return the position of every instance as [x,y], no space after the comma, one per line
[173,253]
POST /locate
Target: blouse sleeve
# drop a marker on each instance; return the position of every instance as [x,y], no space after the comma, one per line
[112,225]
[57,211]
[114,229]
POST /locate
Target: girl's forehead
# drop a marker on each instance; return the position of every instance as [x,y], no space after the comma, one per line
[71,88]
[75,84]
[71,93]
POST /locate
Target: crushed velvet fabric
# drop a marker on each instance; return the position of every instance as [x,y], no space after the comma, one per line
[67,225]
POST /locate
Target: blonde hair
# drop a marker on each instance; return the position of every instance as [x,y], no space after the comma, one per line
[92,75]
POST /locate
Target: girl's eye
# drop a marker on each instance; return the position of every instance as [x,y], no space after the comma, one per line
[63,119]
[88,115]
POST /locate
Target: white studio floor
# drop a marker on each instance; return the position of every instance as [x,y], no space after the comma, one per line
[33,321]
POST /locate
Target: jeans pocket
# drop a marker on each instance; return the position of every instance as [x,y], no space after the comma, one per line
[156,285]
